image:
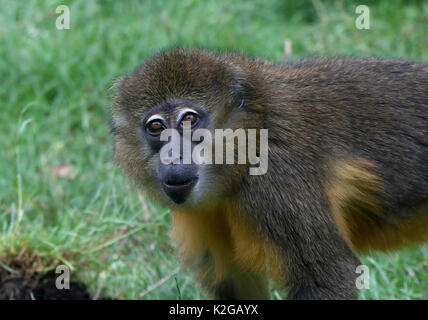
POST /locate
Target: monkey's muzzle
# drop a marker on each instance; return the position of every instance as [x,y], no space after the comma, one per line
[179,189]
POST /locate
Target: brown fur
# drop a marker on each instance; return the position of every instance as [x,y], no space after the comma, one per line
[354,194]
[348,167]
[231,239]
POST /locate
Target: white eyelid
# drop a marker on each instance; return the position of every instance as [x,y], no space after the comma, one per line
[155,117]
[183,112]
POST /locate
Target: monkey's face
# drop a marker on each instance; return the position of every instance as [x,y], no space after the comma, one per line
[170,91]
[177,176]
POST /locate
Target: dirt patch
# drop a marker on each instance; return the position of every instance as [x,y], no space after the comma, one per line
[39,287]
[22,278]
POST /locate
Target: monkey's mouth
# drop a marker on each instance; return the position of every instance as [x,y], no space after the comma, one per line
[179,190]
[180,184]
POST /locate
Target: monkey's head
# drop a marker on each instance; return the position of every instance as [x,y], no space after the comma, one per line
[208,91]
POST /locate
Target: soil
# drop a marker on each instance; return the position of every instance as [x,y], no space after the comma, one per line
[39,287]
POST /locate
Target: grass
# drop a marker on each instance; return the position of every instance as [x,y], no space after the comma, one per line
[63,201]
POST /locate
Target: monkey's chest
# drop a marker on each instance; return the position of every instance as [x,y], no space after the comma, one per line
[231,241]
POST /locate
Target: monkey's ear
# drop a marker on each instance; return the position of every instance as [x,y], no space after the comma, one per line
[241,88]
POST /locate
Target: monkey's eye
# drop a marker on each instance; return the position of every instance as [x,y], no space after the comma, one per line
[190,116]
[155,127]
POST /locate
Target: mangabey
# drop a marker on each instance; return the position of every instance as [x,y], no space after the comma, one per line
[347,165]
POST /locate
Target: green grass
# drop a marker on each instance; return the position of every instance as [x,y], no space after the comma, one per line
[54,102]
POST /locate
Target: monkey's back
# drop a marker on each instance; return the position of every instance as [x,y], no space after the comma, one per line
[361,127]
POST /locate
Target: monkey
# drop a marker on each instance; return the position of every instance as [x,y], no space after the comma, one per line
[347,165]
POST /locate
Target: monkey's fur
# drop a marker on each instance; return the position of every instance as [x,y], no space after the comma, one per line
[348,167]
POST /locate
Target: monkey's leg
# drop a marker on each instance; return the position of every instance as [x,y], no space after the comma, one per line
[318,261]
[234,283]
[321,266]
[240,285]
